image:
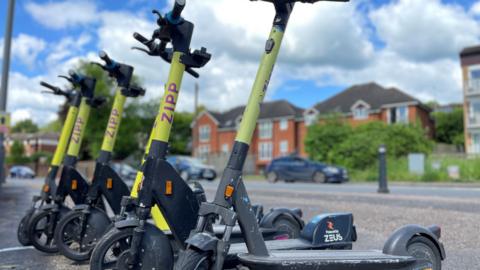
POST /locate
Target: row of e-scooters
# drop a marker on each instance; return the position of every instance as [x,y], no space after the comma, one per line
[163,222]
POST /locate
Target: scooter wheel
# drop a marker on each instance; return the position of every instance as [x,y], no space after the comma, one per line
[192,259]
[38,232]
[69,241]
[109,249]
[22,231]
[426,253]
[286,228]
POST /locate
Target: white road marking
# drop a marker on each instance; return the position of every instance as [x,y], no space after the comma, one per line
[15,249]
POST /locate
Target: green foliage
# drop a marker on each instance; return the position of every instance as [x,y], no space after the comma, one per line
[41,155]
[181,133]
[449,127]
[54,126]
[323,138]
[25,126]
[335,142]
[17,155]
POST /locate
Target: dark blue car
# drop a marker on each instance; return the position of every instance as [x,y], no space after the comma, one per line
[292,169]
[191,168]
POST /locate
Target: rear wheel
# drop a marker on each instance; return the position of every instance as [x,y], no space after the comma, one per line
[286,228]
[426,253]
[22,231]
[272,177]
[40,234]
[109,249]
[192,259]
[319,177]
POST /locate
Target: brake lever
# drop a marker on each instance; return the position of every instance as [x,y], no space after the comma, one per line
[143,50]
[66,78]
[98,64]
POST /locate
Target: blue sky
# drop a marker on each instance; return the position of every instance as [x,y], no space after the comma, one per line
[409,44]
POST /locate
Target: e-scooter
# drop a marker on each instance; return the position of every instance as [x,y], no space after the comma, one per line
[78,231]
[49,186]
[410,247]
[134,243]
[42,224]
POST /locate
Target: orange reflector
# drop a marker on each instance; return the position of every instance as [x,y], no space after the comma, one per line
[74,184]
[229,191]
[109,183]
[168,187]
[46,188]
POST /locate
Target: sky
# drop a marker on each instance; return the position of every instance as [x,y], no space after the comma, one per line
[410,44]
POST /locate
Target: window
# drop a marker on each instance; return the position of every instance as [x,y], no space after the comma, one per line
[225,148]
[265,151]
[474,112]
[204,133]
[310,118]
[283,148]
[283,124]
[203,151]
[398,115]
[265,129]
[360,112]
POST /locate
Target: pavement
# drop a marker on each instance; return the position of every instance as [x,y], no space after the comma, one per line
[456,208]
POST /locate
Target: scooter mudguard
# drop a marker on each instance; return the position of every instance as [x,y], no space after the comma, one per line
[269,218]
[155,250]
[98,223]
[330,229]
[398,241]
[203,241]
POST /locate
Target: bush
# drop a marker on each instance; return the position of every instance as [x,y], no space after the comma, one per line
[17,156]
[357,148]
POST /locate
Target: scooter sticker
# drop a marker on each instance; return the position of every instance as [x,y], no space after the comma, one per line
[332,234]
[170,102]
[113,123]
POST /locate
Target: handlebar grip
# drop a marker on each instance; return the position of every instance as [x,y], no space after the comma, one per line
[74,75]
[47,85]
[177,9]
[192,72]
[104,56]
[140,38]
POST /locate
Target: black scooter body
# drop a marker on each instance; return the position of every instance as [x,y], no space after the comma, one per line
[72,184]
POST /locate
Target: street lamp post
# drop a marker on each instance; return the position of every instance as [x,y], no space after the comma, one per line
[4,82]
[382,170]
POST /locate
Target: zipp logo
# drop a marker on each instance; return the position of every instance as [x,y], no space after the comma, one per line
[77,130]
[112,123]
[169,103]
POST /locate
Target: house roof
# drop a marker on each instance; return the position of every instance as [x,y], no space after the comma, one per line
[373,94]
[470,51]
[268,110]
[38,135]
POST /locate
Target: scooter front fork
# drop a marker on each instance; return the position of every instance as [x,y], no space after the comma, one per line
[222,247]
[137,236]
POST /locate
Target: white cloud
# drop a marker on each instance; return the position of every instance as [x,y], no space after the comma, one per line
[25,48]
[60,15]
[475,9]
[425,30]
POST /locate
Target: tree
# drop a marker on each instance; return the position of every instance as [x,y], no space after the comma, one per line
[25,126]
[17,154]
[449,127]
[322,138]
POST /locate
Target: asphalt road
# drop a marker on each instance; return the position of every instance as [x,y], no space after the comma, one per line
[456,208]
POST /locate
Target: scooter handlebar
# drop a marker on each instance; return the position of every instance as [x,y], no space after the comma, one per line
[104,56]
[177,9]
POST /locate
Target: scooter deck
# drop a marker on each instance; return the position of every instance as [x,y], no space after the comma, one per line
[326,259]
[288,244]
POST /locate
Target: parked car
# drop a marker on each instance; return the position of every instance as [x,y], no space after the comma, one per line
[299,169]
[126,172]
[191,168]
[21,172]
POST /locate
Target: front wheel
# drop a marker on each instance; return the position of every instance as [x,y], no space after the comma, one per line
[22,230]
[425,252]
[40,232]
[192,259]
[272,177]
[319,177]
[109,248]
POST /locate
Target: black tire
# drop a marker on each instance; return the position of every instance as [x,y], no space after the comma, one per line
[319,177]
[287,227]
[192,259]
[425,251]
[67,238]
[272,177]
[37,231]
[112,245]
[22,231]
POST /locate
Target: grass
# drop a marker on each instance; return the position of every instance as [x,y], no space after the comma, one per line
[469,169]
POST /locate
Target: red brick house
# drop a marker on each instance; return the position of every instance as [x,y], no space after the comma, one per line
[277,132]
[282,127]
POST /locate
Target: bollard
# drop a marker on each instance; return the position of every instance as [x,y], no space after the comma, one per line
[382,170]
